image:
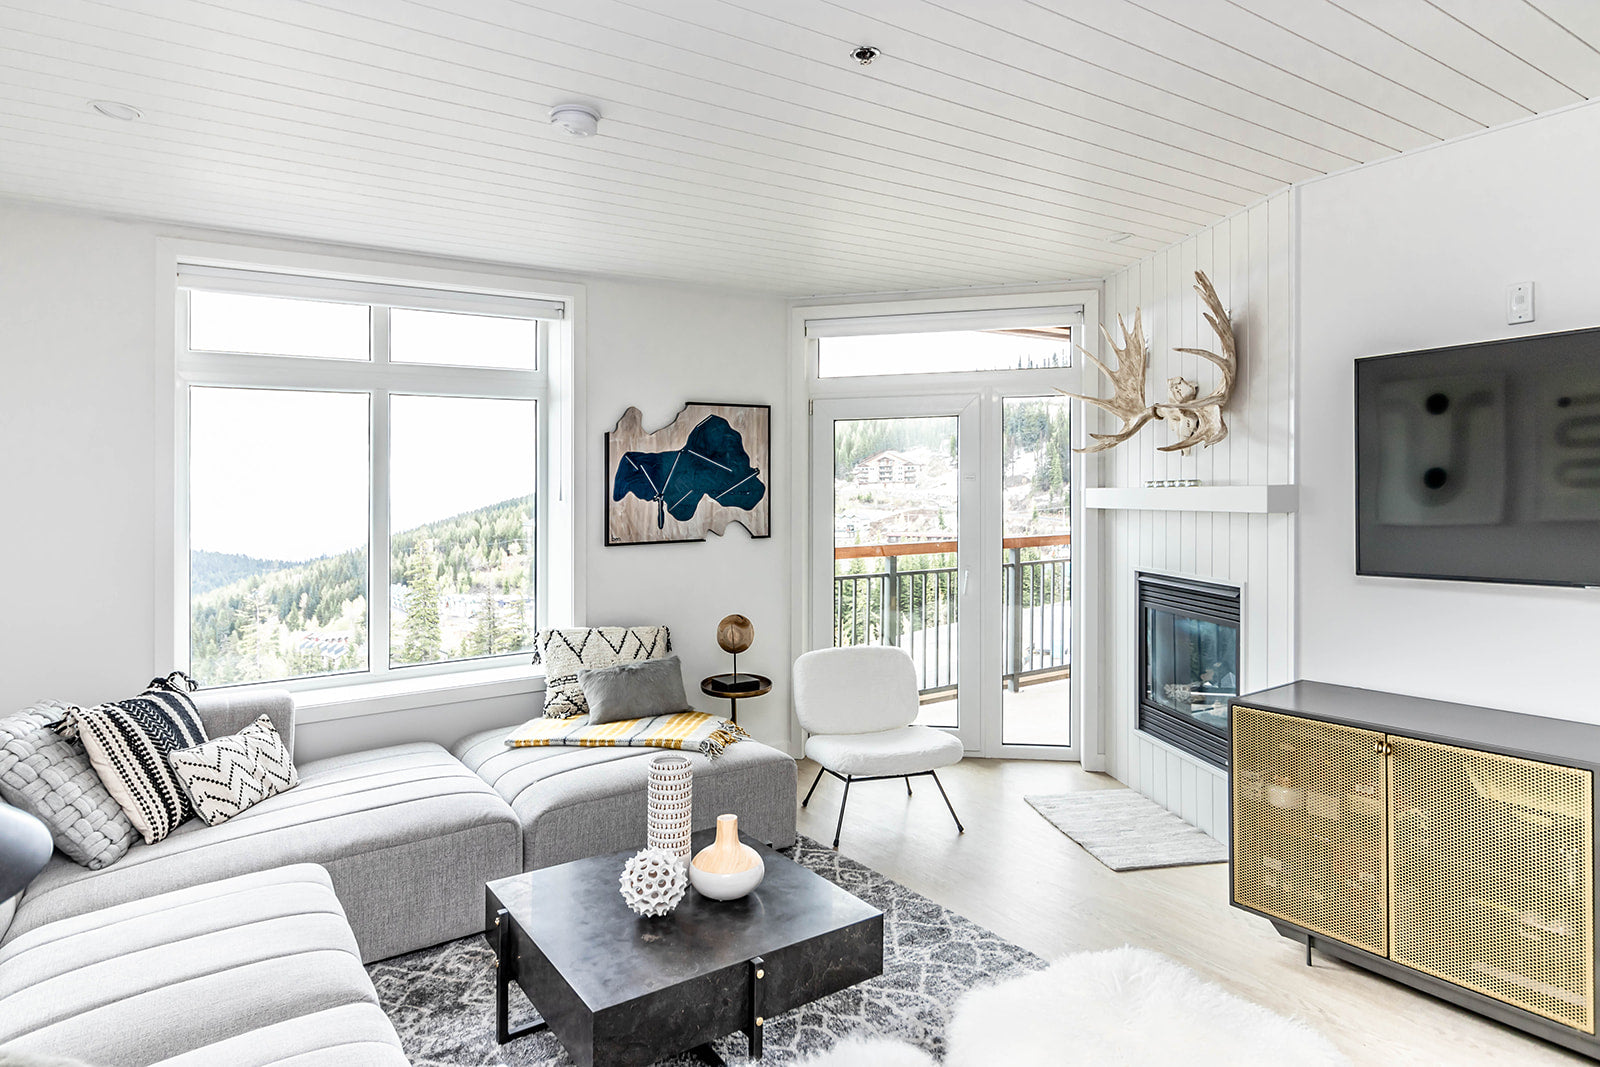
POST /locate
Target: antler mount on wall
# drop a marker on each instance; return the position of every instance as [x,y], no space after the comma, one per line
[1194,419]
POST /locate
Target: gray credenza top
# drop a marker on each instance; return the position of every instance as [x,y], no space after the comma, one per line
[1530,736]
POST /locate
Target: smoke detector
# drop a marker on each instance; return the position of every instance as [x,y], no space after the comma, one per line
[579,120]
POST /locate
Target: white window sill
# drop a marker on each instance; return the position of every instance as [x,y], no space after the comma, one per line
[377,698]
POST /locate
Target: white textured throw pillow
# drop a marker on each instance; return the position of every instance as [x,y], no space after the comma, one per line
[565,651]
[226,775]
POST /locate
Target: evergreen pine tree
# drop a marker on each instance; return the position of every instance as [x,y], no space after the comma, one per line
[423,640]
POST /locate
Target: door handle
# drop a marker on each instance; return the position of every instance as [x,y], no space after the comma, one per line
[965,574]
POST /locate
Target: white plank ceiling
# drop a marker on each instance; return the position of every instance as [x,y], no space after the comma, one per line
[993,142]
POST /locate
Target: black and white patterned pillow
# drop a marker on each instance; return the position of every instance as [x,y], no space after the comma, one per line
[128,742]
[565,651]
[226,775]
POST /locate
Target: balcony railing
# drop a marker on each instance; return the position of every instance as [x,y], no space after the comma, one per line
[915,609]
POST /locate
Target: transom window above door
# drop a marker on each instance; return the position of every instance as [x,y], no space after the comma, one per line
[959,342]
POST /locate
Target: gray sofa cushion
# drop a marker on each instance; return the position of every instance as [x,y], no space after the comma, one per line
[408,835]
[639,690]
[578,802]
[50,778]
[240,971]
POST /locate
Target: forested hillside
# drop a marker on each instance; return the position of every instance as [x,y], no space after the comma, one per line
[462,587]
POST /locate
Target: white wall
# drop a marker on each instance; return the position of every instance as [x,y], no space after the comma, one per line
[1247,257]
[1415,253]
[79,467]
[656,347]
[77,325]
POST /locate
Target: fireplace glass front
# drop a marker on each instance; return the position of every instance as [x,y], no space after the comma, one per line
[1188,663]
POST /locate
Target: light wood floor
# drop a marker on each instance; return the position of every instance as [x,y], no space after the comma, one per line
[1017,875]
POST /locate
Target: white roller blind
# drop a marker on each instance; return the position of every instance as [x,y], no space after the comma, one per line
[341,290]
[942,322]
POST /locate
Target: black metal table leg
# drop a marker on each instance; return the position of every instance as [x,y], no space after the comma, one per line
[504,974]
[758,1022]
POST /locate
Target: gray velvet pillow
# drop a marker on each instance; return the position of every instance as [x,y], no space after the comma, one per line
[635,690]
[50,778]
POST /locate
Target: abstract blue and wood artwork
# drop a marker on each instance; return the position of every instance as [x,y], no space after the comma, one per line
[705,469]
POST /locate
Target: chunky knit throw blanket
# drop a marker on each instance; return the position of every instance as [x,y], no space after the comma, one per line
[693,731]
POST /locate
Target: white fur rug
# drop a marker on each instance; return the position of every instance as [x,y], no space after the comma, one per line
[1127,1007]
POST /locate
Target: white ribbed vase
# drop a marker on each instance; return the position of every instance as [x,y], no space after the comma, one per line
[671,805]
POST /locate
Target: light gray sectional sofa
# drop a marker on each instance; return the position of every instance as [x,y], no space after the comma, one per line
[407,834]
[243,943]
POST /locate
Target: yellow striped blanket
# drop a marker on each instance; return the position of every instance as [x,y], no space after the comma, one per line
[694,731]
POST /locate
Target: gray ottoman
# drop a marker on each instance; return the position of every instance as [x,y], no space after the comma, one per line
[579,802]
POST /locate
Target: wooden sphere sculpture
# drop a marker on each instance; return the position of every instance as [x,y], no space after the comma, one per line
[735,634]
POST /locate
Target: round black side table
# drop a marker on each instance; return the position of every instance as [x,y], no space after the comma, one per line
[735,687]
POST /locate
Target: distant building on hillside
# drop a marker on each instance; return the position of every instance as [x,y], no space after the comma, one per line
[885,467]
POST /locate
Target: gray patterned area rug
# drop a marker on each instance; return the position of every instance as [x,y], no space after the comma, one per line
[1127,831]
[441,1000]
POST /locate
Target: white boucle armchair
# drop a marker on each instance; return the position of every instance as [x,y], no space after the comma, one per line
[859,706]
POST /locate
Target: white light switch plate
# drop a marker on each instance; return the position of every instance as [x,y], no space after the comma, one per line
[1519,303]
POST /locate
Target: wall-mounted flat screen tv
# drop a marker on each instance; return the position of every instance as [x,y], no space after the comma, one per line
[1481,462]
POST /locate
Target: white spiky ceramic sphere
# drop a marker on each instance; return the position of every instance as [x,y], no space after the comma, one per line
[653,881]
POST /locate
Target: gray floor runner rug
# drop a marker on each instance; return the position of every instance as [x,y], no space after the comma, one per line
[441,1000]
[1127,831]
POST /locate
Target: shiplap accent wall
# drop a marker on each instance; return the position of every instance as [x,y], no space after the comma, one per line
[1248,258]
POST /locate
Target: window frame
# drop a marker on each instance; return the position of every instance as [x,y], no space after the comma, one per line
[554,386]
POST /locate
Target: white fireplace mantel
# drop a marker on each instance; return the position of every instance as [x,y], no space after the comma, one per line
[1250,499]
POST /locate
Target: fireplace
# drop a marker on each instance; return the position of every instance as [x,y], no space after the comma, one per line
[1188,662]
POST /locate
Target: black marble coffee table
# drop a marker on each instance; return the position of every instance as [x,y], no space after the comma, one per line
[619,990]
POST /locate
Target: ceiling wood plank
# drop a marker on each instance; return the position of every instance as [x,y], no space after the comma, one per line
[993,144]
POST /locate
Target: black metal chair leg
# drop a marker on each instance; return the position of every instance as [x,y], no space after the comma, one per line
[820,772]
[908,785]
[837,830]
[952,807]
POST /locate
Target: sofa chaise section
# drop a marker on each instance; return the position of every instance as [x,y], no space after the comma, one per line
[407,834]
[249,971]
[579,802]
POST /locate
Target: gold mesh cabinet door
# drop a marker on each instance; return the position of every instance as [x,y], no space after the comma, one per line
[1491,864]
[1309,825]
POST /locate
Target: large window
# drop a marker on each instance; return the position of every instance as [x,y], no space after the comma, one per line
[361,468]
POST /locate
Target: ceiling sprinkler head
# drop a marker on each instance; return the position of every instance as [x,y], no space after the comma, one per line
[865,54]
[116,109]
[579,120]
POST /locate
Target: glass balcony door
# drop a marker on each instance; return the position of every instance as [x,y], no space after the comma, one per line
[1035,519]
[941,525]
[894,490]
